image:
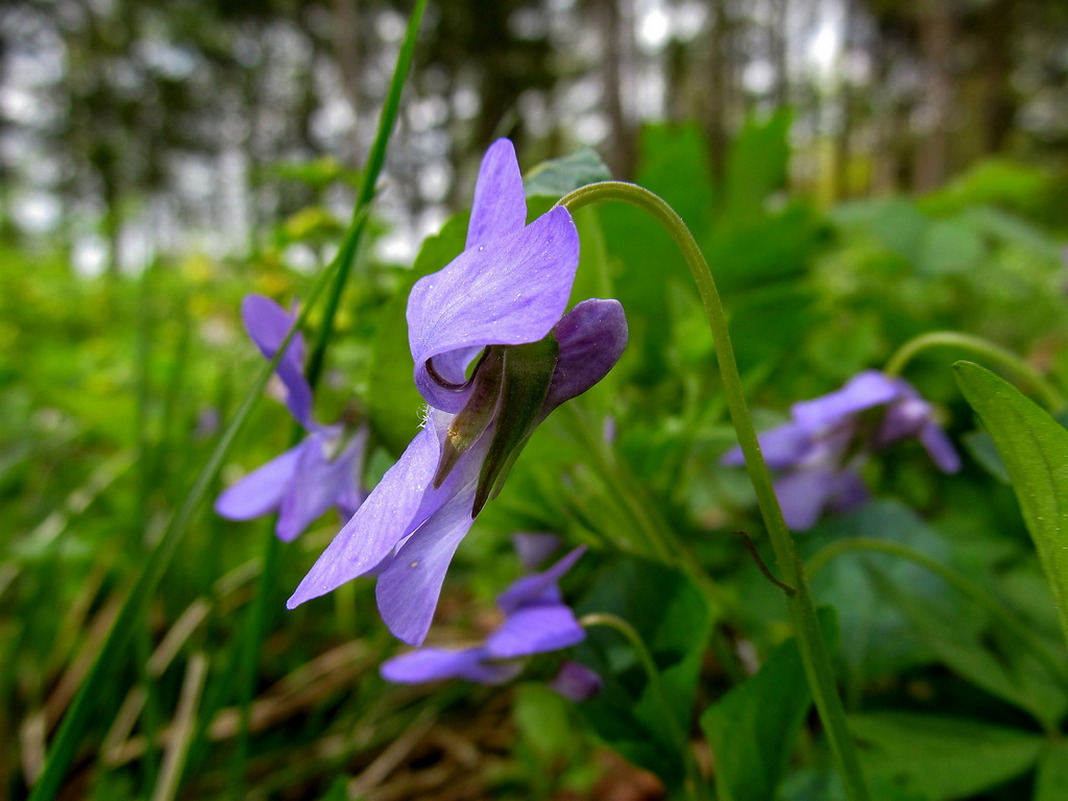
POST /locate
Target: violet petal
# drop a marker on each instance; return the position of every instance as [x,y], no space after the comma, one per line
[939,448]
[267,324]
[535,630]
[435,664]
[533,549]
[576,682]
[782,446]
[510,291]
[409,587]
[863,391]
[500,206]
[803,494]
[261,490]
[540,587]
[317,485]
[592,337]
[383,520]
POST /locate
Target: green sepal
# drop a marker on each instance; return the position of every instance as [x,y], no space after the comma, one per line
[473,420]
[528,371]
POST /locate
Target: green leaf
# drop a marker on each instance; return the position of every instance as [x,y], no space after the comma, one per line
[1034,448]
[752,729]
[557,177]
[1052,783]
[942,757]
[983,654]
[674,622]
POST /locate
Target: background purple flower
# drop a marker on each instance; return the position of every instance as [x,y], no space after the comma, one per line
[323,470]
[503,297]
[536,621]
[819,452]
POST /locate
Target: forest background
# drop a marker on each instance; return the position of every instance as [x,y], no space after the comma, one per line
[858,172]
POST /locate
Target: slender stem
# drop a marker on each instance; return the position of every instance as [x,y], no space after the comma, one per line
[960,582]
[682,743]
[801,608]
[1052,398]
[341,266]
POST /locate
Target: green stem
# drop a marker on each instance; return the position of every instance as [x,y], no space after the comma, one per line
[341,266]
[696,785]
[1052,398]
[801,608]
[958,581]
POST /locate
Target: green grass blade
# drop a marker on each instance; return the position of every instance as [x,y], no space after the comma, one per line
[155,564]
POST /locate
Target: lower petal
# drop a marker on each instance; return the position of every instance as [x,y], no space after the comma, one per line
[409,587]
[435,664]
[387,516]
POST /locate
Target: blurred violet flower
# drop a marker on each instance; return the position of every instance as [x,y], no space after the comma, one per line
[494,355]
[818,454]
[324,470]
[536,621]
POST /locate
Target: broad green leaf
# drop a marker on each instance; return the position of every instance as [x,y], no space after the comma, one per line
[983,654]
[752,729]
[942,757]
[1034,448]
[1052,783]
[557,177]
[948,247]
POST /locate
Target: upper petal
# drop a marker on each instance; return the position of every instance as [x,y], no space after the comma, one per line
[535,630]
[534,548]
[592,337]
[539,588]
[862,391]
[261,490]
[500,205]
[267,324]
[388,515]
[509,291]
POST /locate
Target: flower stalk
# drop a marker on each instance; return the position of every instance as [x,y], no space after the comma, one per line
[1051,396]
[801,608]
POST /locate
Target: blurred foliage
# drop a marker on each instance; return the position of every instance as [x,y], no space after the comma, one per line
[112,392]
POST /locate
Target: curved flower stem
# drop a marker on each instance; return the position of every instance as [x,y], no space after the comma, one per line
[696,785]
[802,610]
[1051,397]
[958,581]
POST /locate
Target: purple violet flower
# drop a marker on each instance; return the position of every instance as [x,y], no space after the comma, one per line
[819,453]
[323,470]
[502,302]
[536,621]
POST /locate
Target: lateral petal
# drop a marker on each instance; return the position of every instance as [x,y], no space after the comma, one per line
[535,630]
[261,490]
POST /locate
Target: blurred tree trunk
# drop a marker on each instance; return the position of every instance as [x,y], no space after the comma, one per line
[714,112]
[937,32]
[999,100]
[347,51]
[622,149]
[778,51]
